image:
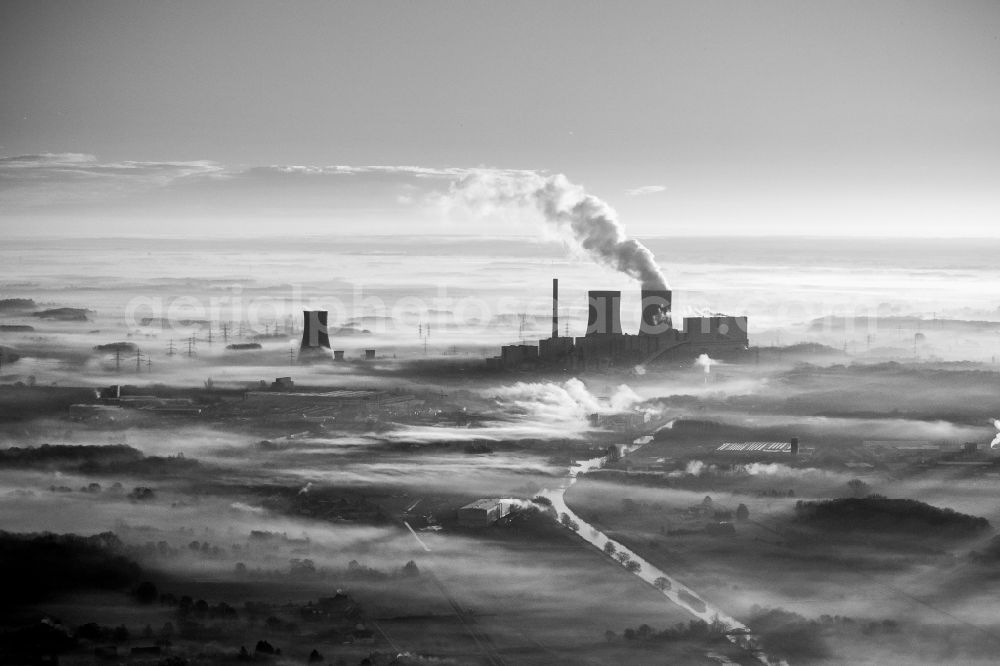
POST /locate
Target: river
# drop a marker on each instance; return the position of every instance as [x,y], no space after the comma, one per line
[737,632]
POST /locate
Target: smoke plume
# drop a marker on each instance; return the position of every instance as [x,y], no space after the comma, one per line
[581,219]
[706,362]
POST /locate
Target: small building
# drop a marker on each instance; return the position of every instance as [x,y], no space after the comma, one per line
[282,383]
[369,354]
[482,512]
[338,355]
[512,356]
[720,528]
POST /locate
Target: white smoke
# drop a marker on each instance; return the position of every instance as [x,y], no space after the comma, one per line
[996,440]
[693,468]
[570,401]
[705,362]
[581,219]
[247,508]
[624,399]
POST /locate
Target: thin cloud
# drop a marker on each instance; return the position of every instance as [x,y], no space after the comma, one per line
[34,181]
[49,181]
[646,189]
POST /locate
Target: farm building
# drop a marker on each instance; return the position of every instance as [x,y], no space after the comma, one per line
[482,512]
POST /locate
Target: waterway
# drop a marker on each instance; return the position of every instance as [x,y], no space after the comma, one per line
[675,591]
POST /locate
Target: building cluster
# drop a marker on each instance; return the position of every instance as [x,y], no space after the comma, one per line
[605,345]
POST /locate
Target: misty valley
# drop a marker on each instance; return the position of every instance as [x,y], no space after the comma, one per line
[188,485]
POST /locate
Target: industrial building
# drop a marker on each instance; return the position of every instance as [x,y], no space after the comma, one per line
[605,345]
[483,512]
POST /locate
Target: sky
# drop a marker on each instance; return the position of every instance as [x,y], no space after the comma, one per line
[689,118]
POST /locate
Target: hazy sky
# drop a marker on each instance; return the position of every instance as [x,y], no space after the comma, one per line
[696,117]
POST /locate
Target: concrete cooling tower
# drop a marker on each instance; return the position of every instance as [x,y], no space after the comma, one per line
[315,343]
[656,308]
[605,312]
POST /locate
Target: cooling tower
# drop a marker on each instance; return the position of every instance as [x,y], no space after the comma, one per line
[605,312]
[315,339]
[656,309]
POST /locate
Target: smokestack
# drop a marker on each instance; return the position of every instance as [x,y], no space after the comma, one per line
[555,308]
[315,339]
[794,446]
[656,309]
[605,312]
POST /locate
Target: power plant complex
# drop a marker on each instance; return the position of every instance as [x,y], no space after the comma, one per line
[602,347]
[605,345]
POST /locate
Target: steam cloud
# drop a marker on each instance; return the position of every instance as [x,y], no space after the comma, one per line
[580,218]
[706,362]
[996,440]
[565,403]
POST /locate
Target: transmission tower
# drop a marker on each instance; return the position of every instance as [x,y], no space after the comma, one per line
[191,342]
[138,360]
[149,364]
[118,360]
[171,349]
[225,332]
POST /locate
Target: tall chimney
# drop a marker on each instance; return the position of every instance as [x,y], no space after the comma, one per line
[605,312]
[656,309]
[555,308]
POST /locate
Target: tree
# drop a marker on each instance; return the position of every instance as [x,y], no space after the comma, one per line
[610,635]
[244,655]
[742,512]
[146,593]
[609,548]
[315,657]
[662,583]
[858,487]
[568,522]
[622,557]
[303,567]
[633,566]
[410,569]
